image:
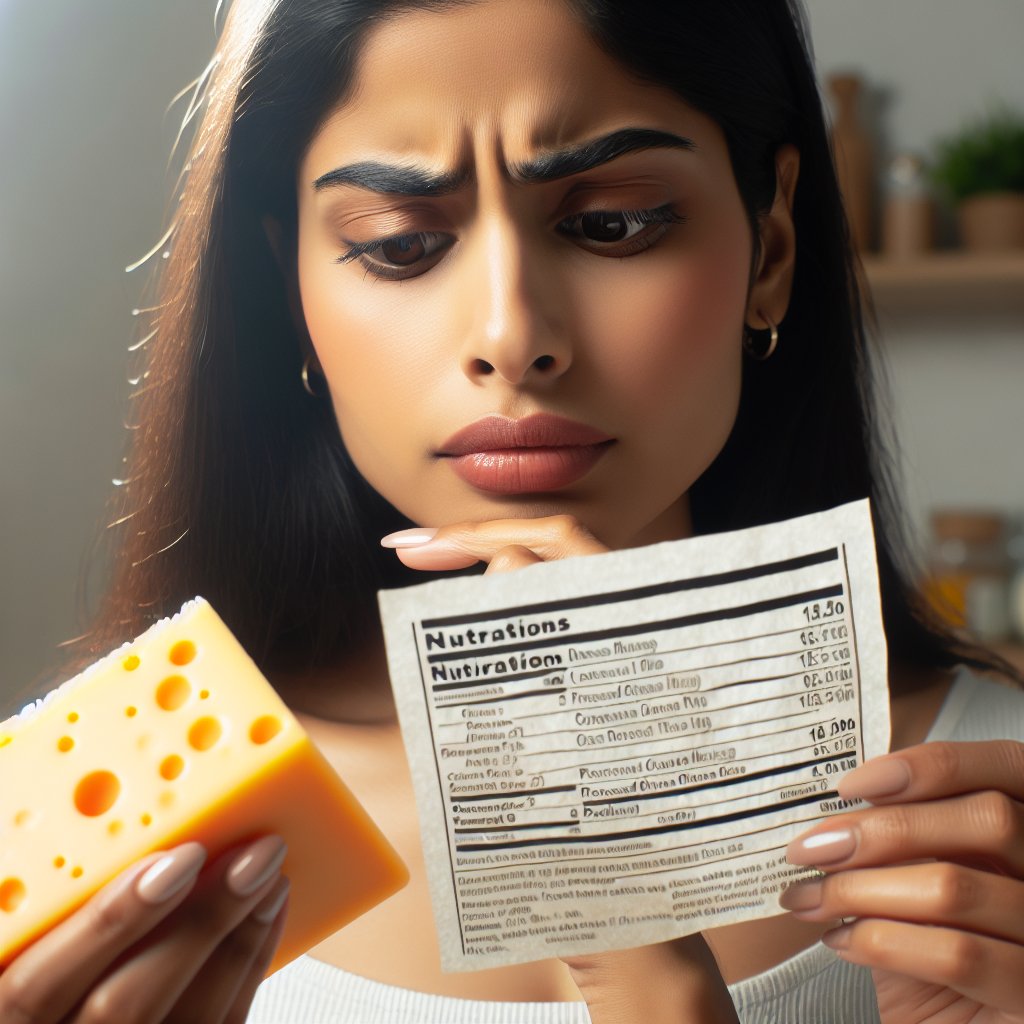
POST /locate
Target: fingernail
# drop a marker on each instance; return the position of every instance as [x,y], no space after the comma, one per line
[170,874]
[408,538]
[802,896]
[884,777]
[271,906]
[257,865]
[838,938]
[822,848]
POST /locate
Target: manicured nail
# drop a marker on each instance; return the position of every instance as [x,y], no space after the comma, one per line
[408,538]
[170,874]
[886,776]
[838,938]
[822,848]
[271,906]
[257,865]
[802,896]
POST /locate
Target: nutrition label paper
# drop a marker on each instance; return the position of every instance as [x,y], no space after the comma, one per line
[615,749]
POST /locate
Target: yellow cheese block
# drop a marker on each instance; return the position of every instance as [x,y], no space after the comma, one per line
[176,737]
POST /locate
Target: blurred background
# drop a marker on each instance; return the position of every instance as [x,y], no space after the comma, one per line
[85,87]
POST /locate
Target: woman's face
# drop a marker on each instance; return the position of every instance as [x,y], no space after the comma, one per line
[524,275]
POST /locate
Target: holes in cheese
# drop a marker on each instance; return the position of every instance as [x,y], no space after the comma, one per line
[173,693]
[182,652]
[124,760]
[204,734]
[264,729]
[171,767]
[12,892]
[97,793]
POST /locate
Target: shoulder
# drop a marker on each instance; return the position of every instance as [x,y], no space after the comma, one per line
[978,708]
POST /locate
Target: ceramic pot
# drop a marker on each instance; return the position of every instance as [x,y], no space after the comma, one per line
[992,222]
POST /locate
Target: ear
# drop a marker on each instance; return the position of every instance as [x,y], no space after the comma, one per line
[772,280]
[283,245]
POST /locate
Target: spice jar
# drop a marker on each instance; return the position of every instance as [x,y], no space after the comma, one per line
[970,572]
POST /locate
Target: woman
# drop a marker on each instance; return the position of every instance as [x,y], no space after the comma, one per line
[553,227]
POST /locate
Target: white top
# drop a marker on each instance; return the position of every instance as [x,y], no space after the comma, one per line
[813,987]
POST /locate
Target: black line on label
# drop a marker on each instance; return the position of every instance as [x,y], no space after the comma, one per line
[516,828]
[637,593]
[507,696]
[695,619]
[766,773]
[508,794]
[657,830]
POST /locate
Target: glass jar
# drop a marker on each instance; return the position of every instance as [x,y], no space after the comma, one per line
[908,217]
[969,572]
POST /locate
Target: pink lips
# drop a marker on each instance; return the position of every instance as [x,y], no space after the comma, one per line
[534,454]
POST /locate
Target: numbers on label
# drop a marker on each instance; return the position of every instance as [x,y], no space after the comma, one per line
[823,610]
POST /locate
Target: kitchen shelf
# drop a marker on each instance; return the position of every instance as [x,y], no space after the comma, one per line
[948,282]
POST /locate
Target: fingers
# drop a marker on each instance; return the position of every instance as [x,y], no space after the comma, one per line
[239,1011]
[55,973]
[984,969]
[938,893]
[147,985]
[224,987]
[511,543]
[131,951]
[983,827]
[933,770]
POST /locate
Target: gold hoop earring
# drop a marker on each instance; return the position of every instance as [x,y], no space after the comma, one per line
[306,385]
[773,340]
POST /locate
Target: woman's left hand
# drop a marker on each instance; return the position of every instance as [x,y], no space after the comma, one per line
[934,875]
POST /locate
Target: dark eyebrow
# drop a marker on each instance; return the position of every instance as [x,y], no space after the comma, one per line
[392,180]
[586,155]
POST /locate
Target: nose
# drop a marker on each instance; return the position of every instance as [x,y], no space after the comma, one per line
[517,332]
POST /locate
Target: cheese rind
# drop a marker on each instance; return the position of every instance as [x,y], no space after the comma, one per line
[176,737]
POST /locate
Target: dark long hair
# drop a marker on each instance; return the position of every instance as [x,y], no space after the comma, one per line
[238,485]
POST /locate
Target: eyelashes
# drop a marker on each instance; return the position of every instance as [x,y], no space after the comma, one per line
[615,233]
[610,226]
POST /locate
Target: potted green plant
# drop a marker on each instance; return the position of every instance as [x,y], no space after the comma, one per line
[982,171]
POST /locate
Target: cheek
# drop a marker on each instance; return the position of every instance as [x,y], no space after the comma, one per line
[675,349]
[377,357]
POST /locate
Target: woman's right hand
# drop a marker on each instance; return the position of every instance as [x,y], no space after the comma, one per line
[165,941]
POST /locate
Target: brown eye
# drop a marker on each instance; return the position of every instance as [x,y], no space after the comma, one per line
[619,232]
[404,250]
[603,226]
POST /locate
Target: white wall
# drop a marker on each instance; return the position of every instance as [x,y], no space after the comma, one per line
[84,85]
[958,381]
[83,89]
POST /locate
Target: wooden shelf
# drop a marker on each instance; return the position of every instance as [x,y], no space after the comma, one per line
[948,282]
